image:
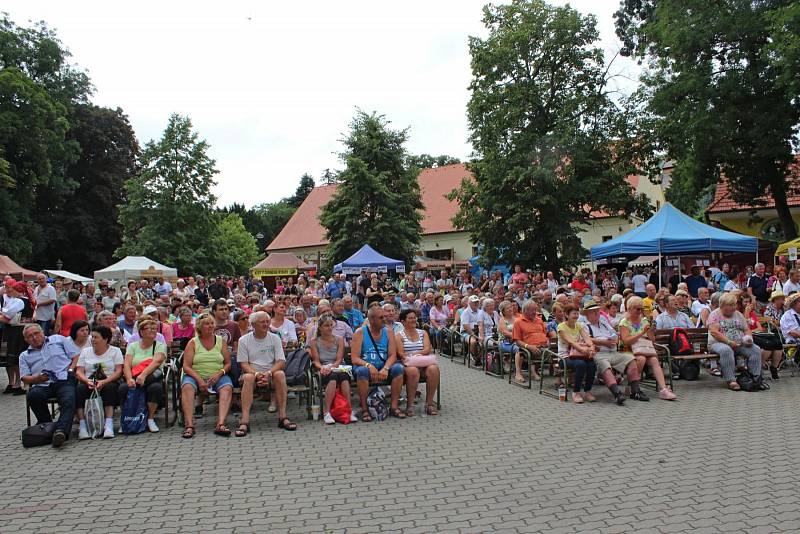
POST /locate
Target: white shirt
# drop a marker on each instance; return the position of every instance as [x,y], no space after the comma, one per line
[12,309]
[288,331]
[490,322]
[730,286]
[471,318]
[639,283]
[698,306]
[45,313]
[261,354]
[790,287]
[106,361]
[601,330]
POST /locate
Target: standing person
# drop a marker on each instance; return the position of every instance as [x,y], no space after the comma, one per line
[695,281]
[758,288]
[639,282]
[45,297]
[354,316]
[201,292]
[733,282]
[14,315]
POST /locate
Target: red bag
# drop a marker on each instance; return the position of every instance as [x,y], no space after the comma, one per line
[341,409]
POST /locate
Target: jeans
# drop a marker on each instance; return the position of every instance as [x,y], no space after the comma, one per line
[64,391]
[46,326]
[362,372]
[584,372]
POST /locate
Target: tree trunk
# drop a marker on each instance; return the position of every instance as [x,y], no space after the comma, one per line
[782,207]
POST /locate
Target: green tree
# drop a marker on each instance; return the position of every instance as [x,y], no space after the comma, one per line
[719,95]
[378,199]
[545,135]
[303,190]
[329,177]
[170,214]
[237,250]
[426,161]
[265,219]
[82,226]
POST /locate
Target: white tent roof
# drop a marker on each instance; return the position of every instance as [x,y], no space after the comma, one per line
[132,267]
[68,275]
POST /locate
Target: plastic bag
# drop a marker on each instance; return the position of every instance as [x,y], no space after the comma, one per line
[134,412]
[93,412]
[376,403]
[341,409]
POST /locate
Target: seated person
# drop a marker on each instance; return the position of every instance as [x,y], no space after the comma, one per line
[47,367]
[415,341]
[99,369]
[790,320]
[262,361]
[607,358]
[636,333]
[576,349]
[183,328]
[727,333]
[469,319]
[530,333]
[354,316]
[327,352]
[206,362]
[374,357]
[142,368]
[671,317]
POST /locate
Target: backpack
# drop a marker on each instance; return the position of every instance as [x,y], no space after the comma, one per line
[297,363]
[749,382]
[679,343]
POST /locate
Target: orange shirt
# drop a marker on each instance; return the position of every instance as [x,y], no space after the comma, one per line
[531,331]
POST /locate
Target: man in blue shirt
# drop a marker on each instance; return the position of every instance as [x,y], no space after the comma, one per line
[334,288]
[354,316]
[48,368]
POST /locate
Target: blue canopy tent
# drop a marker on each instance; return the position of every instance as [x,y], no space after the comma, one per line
[368,257]
[671,231]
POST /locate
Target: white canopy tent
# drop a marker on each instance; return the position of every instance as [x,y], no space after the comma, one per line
[68,275]
[135,268]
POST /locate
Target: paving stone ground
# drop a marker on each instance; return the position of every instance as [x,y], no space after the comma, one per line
[497,459]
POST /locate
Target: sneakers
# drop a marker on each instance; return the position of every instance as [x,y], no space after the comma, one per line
[640,396]
[83,432]
[272,408]
[666,394]
[619,398]
[328,419]
[152,426]
[108,432]
[353,418]
[16,392]
[58,439]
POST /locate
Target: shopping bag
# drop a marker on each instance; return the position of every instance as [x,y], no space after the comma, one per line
[376,403]
[134,412]
[94,415]
[341,409]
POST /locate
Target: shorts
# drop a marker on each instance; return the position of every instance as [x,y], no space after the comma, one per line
[505,346]
[339,377]
[465,336]
[613,360]
[362,372]
[223,382]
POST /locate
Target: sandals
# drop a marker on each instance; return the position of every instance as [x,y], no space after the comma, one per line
[222,430]
[734,386]
[410,412]
[366,417]
[243,430]
[286,424]
[397,412]
[430,409]
[188,432]
[715,372]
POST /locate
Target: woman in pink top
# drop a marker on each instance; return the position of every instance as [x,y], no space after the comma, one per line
[183,328]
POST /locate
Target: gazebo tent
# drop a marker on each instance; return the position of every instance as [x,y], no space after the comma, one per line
[68,275]
[11,268]
[135,267]
[783,248]
[368,257]
[279,264]
[671,231]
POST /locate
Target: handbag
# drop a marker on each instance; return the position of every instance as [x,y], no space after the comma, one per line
[38,435]
[644,347]
[376,404]
[767,341]
[134,412]
[749,382]
[421,360]
[94,415]
[341,409]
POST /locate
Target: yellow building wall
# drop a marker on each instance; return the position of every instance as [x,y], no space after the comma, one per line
[743,223]
[459,242]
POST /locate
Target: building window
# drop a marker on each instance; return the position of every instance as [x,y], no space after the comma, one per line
[607,238]
[440,254]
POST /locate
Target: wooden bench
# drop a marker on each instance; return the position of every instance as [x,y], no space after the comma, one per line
[698,338]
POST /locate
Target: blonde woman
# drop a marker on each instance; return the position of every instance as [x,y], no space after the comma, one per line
[729,336]
[636,332]
[141,368]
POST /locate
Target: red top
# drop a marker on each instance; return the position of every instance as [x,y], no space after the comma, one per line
[69,314]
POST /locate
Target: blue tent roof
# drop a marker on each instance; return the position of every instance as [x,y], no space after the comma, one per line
[367,257]
[671,231]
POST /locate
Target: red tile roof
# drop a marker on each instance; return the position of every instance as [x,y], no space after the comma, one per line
[305,230]
[723,201]
[633,181]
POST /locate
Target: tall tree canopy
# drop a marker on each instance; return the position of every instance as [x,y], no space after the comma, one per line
[426,161]
[378,199]
[305,187]
[720,94]
[545,135]
[170,213]
[265,220]
[237,250]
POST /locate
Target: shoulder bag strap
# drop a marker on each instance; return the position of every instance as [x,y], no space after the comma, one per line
[372,340]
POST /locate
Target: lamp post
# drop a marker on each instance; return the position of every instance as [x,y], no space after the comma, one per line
[59,264]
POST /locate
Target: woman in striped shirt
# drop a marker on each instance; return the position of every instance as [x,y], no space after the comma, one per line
[412,342]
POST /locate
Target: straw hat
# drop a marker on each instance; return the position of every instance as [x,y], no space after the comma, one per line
[791,299]
[775,295]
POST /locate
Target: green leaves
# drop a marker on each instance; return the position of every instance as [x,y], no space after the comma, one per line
[378,200]
[545,136]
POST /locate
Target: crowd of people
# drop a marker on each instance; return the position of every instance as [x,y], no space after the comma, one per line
[66,340]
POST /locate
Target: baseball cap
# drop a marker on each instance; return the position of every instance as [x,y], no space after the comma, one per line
[474,298]
[150,309]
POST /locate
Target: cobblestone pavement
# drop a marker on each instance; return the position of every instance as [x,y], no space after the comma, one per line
[497,459]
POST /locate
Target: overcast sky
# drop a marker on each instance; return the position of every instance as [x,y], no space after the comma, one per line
[272,86]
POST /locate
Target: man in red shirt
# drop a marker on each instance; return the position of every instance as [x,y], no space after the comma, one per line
[530,333]
[519,277]
[579,284]
[69,313]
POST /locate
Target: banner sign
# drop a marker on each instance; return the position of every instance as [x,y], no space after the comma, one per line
[400,269]
[288,271]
